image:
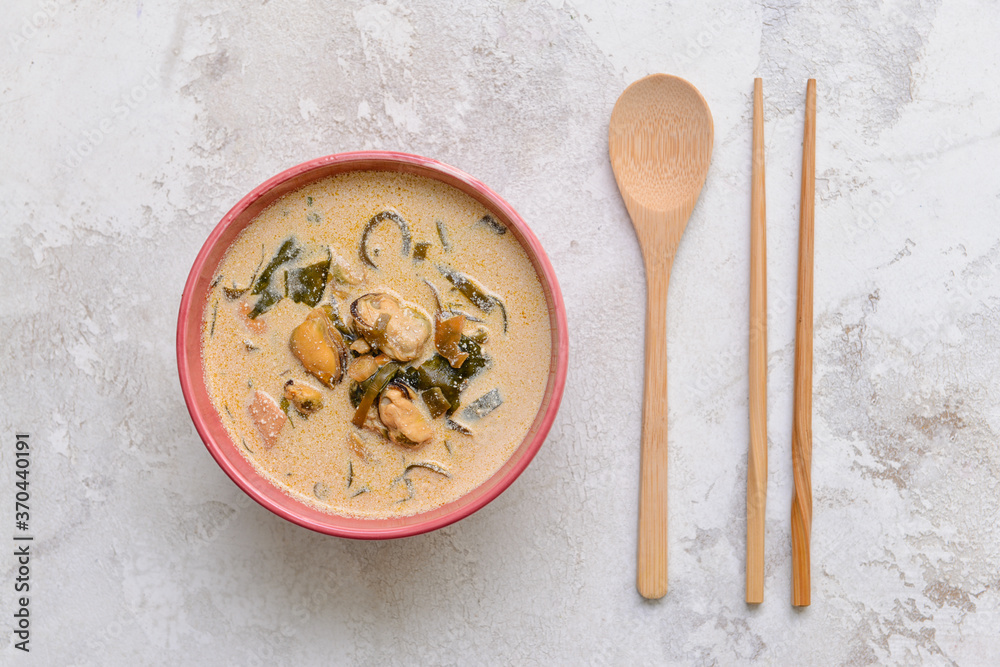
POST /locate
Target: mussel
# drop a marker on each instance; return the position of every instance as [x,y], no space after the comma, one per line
[306,399]
[401,416]
[398,330]
[320,347]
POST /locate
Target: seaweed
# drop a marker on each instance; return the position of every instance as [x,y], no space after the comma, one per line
[436,402]
[375,386]
[427,465]
[420,251]
[234,292]
[269,296]
[404,230]
[443,235]
[288,251]
[306,284]
[284,405]
[493,224]
[438,372]
[455,426]
[347,332]
[483,405]
[266,301]
[475,293]
[215,315]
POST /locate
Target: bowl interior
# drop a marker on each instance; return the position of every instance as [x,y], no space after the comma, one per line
[208,422]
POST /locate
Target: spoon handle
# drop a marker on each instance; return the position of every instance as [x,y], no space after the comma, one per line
[651,571]
[802,420]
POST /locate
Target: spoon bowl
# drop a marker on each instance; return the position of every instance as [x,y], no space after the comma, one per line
[660,144]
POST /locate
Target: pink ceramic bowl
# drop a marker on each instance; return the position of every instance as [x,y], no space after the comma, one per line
[207,420]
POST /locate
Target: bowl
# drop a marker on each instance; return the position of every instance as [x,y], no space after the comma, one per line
[207,420]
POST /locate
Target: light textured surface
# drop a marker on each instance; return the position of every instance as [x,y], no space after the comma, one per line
[127,130]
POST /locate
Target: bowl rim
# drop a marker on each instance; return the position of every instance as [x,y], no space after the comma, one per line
[502,478]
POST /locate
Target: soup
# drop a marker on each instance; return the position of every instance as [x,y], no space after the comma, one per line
[377,344]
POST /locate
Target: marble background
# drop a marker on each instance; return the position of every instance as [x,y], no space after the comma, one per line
[127,129]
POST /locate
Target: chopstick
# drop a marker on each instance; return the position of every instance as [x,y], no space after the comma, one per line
[757,458]
[802,420]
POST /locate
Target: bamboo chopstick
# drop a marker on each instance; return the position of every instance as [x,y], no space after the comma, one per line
[802,421]
[757,458]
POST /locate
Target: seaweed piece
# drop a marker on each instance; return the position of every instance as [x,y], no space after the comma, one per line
[443,235]
[409,488]
[234,292]
[436,402]
[375,387]
[483,405]
[409,376]
[503,312]
[350,473]
[269,296]
[284,405]
[215,314]
[493,224]
[288,251]
[359,492]
[474,292]
[347,332]
[309,201]
[404,230]
[266,301]
[357,392]
[438,372]
[455,426]
[420,251]
[468,318]
[314,218]
[427,465]
[477,359]
[306,284]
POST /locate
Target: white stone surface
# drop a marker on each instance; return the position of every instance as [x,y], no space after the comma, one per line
[128,129]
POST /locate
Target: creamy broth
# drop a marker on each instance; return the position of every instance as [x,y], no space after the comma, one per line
[321,457]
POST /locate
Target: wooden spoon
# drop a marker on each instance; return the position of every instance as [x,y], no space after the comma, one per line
[660,143]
